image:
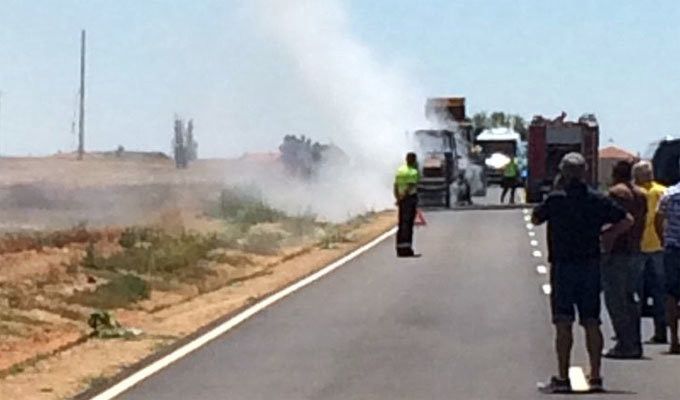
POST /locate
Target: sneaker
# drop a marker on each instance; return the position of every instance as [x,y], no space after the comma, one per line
[595,385]
[555,385]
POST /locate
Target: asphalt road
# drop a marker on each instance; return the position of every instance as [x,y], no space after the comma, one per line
[467,320]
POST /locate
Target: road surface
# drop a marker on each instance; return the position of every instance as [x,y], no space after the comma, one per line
[467,320]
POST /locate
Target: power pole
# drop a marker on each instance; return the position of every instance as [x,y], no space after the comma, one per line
[81,120]
[0,105]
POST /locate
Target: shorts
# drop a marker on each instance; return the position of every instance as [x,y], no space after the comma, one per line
[671,264]
[576,286]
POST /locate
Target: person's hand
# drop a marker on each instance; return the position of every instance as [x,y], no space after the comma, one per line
[607,240]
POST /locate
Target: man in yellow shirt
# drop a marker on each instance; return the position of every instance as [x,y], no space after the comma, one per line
[406,195]
[651,247]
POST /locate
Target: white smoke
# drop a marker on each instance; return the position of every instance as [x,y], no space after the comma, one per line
[365,105]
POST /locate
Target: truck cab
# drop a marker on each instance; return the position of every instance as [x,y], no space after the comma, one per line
[437,156]
[497,146]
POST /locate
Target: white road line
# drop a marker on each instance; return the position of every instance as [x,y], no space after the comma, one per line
[546,288]
[534,243]
[525,210]
[221,329]
[578,380]
[532,233]
[537,253]
[542,269]
[527,218]
[530,226]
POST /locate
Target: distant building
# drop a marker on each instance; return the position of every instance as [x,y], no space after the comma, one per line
[608,157]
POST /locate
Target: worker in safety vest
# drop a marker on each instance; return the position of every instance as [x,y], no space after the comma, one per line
[405,186]
[510,179]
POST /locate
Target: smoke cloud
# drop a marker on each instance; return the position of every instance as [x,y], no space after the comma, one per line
[360,103]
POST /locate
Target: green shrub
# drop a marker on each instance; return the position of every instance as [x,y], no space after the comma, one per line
[299,226]
[150,251]
[332,236]
[263,239]
[245,208]
[119,292]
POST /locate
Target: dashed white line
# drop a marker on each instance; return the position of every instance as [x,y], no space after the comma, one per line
[578,379]
[534,243]
[527,218]
[530,226]
[537,253]
[532,233]
[525,210]
[546,288]
[542,269]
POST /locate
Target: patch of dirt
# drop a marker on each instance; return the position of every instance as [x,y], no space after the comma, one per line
[174,309]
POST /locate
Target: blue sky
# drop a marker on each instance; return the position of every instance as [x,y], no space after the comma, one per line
[208,60]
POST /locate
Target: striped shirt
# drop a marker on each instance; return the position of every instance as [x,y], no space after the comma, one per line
[669,206]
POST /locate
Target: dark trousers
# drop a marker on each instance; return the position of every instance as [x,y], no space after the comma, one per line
[621,284]
[653,265]
[407,218]
[509,184]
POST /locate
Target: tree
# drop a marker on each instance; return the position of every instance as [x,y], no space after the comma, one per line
[184,144]
[191,143]
[498,119]
[519,125]
[480,121]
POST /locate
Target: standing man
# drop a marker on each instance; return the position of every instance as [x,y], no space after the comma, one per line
[652,250]
[510,177]
[576,215]
[622,268]
[667,224]
[405,193]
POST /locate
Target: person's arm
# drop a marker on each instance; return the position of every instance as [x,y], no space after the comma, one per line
[660,217]
[659,222]
[540,213]
[616,229]
[617,219]
[396,192]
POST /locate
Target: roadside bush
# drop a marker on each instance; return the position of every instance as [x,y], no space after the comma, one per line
[263,239]
[303,225]
[245,208]
[332,236]
[120,291]
[132,236]
[150,251]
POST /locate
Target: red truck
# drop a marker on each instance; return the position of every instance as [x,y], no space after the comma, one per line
[549,141]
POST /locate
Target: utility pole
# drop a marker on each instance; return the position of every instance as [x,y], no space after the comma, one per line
[81,120]
[0,105]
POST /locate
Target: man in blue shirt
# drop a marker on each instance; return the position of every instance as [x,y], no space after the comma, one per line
[576,215]
[668,229]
